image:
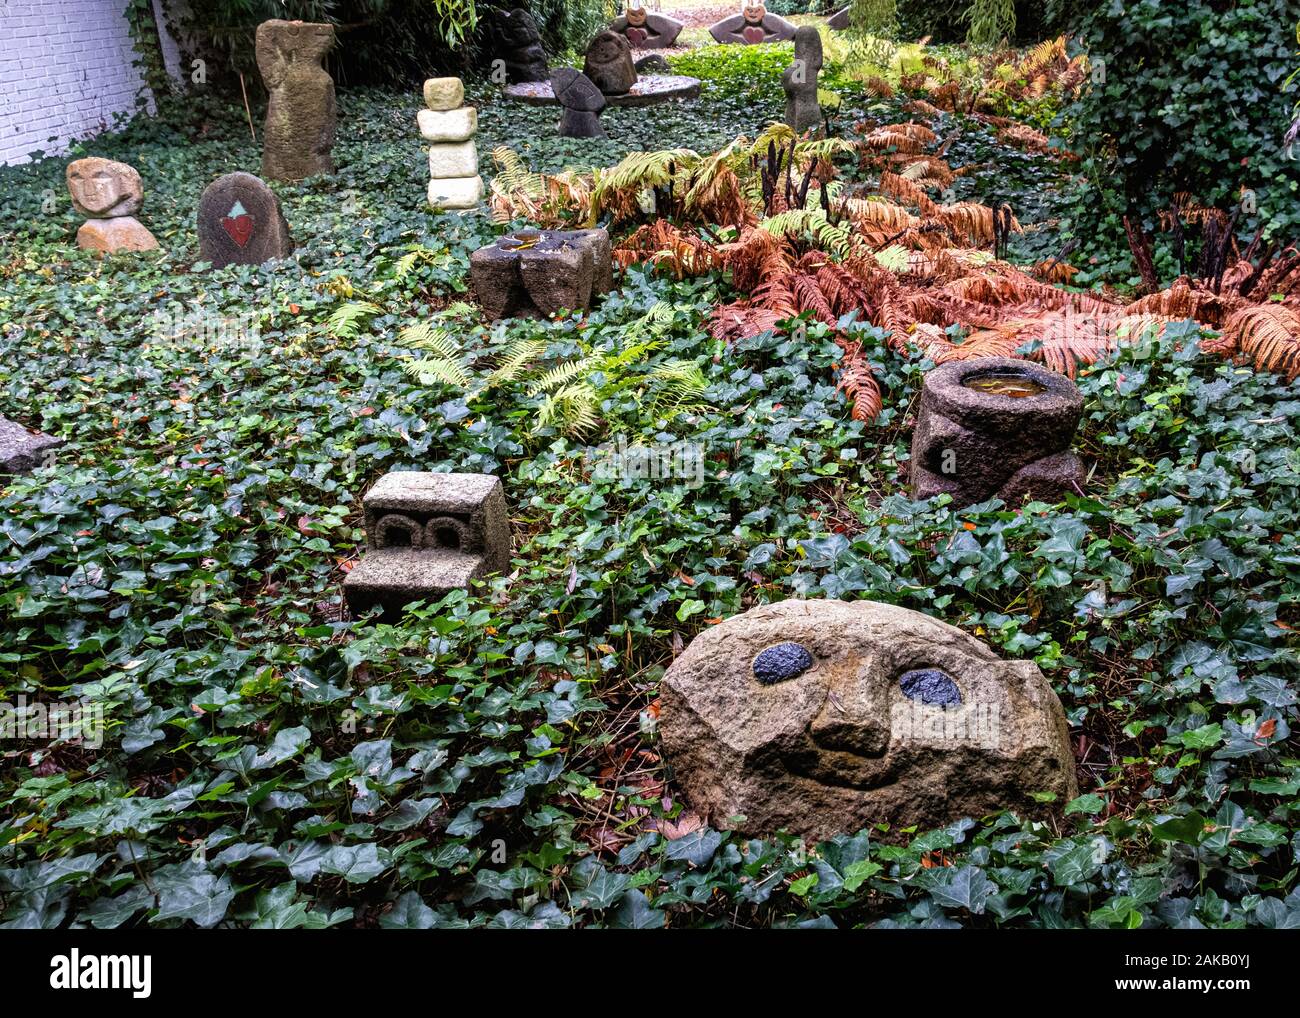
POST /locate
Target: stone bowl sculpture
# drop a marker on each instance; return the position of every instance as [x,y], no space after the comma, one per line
[647,90]
[820,717]
[996,426]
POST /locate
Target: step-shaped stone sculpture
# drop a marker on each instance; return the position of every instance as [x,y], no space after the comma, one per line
[645,30]
[301,112]
[996,426]
[23,450]
[536,273]
[449,126]
[427,534]
[752,26]
[240,222]
[823,717]
[110,194]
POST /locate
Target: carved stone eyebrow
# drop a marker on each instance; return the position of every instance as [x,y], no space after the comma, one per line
[391,522]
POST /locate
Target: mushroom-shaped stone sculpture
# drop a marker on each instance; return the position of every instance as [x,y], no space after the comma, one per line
[582,102]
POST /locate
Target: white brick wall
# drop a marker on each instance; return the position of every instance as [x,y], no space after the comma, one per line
[65,74]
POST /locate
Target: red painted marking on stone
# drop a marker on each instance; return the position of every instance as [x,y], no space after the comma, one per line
[240,228]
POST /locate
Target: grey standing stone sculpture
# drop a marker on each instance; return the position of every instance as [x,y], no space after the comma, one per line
[645,30]
[609,64]
[996,426]
[449,125]
[535,273]
[109,194]
[427,534]
[752,26]
[22,450]
[823,717]
[240,222]
[840,19]
[518,45]
[301,115]
[581,101]
[802,110]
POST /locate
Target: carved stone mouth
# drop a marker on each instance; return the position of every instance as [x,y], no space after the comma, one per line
[843,768]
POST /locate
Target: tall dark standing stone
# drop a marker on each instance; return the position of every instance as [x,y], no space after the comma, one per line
[518,44]
[301,116]
[609,63]
[240,222]
[582,102]
[800,81]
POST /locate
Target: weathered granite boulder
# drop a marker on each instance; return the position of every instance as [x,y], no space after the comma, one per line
[301,115]
[609,63]
[799,80]
[581,101]
[752,26]
[23,450]
[518,44]
[426,535]
[645,30]
[240,222]
[822,717]
[536,273]
[996,426]
[652,63]
[121,233]
[455,192]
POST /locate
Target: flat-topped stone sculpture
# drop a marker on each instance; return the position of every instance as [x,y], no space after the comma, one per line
[427,534]
[240,222]
[301,114]
[518,45]
[799,80]
[450,126]
[23,450]
[996,426]
[752,26]
[823,717]
[110,194]
[582,102]
[646,30]
[536,273]
[608,63]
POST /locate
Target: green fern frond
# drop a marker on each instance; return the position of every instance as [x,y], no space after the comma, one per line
[570,410]
[347,320]
[427,336]
[681,385]
[514,358]
[433,370]
[559,376]
[640,170]
[894,258]
[832,237]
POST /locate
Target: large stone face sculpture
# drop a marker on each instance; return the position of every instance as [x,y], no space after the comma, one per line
[301,115]
[645,30]
[822,717]
[450,126]
[753,25]
[802,110]
[609,63]
[240,222]
[109,194]
[996,426]
[535,273]
[518,44]
[426,535]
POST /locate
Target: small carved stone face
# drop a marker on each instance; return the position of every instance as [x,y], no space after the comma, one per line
[754,13]
[820,716]
[425,532]
[606,48]
[101,187]
[636,16]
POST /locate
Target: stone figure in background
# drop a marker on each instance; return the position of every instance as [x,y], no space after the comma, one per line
[450,126]
[110,194]
[652,63]
[645,30]
[581,101]
[822,717]
[609,63]
[535,273]
[996,426]
[753,25]
[240,222]
[518,44]
[427,534]
[799,80]
[301,113]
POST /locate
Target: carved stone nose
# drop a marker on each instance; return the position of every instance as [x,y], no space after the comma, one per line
[853,719]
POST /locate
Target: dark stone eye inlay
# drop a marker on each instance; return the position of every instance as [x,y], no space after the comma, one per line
[930,686]
[781,661]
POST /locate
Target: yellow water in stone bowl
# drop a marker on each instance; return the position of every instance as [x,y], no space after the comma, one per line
[1011,385]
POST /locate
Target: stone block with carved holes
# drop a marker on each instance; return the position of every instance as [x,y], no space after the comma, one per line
[426,535]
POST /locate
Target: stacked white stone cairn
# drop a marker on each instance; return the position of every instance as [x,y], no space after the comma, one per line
[449,126]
